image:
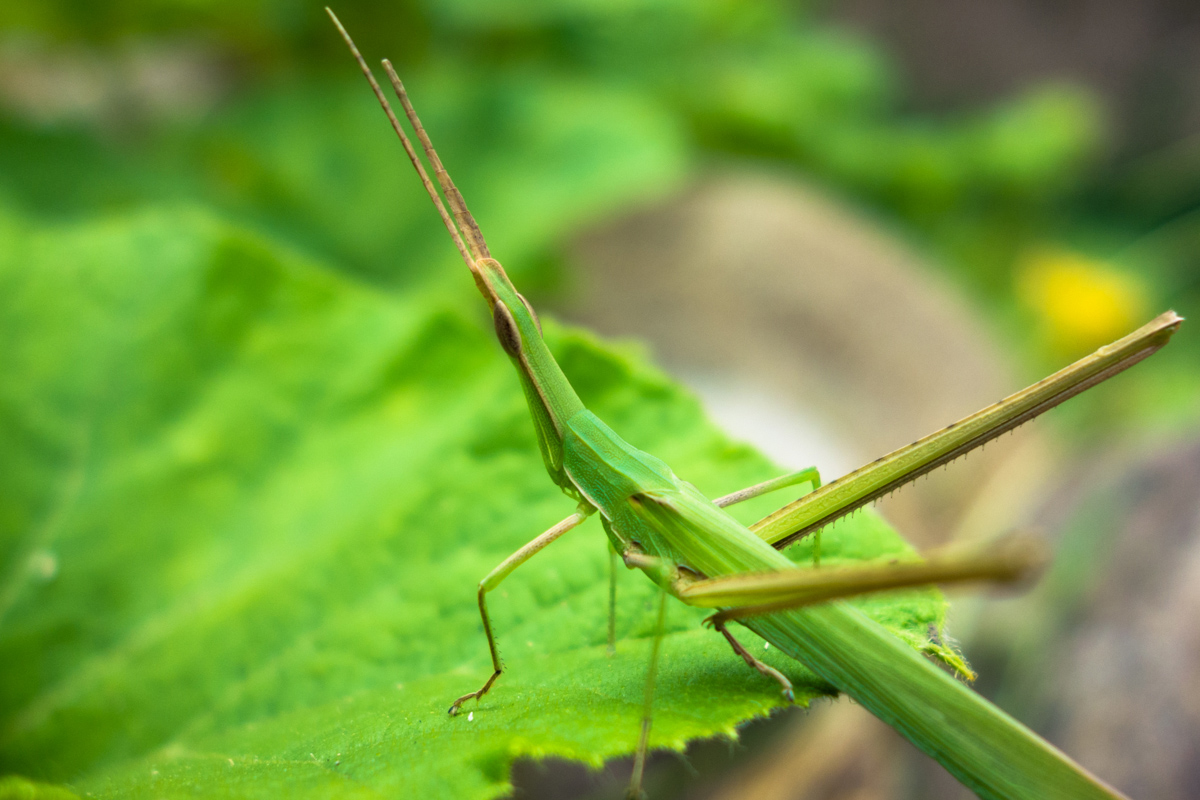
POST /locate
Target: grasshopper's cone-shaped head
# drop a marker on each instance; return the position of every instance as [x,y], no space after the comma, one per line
[551,399]
[517,324]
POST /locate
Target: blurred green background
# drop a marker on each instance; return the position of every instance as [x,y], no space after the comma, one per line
[1039,168]
[1034,191]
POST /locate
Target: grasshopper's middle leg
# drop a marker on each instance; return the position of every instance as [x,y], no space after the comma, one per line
[493,580]
[806,475]
[751,661]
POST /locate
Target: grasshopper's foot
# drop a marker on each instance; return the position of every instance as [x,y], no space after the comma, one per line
[473,695]
[719,625]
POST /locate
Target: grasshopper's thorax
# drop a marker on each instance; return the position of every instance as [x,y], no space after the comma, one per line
[552,399]
[647,509]
[608,471]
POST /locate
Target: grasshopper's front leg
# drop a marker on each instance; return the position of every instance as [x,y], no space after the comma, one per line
[493,580]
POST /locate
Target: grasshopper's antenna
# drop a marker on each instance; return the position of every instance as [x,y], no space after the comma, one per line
[454,197]
[408,148]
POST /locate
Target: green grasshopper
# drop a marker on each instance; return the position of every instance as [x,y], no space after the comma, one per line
[696,552]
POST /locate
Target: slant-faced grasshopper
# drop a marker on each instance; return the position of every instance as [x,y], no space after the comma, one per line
[698,553]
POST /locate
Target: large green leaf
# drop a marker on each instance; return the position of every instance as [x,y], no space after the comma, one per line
[244,505]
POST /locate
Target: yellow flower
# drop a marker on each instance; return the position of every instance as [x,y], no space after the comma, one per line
[1083,303]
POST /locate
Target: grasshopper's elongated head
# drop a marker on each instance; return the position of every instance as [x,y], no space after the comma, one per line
[551,398]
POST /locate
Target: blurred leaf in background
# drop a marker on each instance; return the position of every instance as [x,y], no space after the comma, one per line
[554,116]
[558,112]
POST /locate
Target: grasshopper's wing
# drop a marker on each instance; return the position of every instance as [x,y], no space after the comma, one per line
[751,594]
[876,479]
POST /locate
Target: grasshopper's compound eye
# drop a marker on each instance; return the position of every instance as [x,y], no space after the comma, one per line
[532,313]
[506,330]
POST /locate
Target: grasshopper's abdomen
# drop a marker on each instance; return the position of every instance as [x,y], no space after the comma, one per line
[987,750]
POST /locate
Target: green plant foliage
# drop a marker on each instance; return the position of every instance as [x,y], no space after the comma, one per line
[14,787]
[244,505]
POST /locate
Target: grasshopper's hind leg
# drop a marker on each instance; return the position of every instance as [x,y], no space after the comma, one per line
[884,475]
[493,580]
